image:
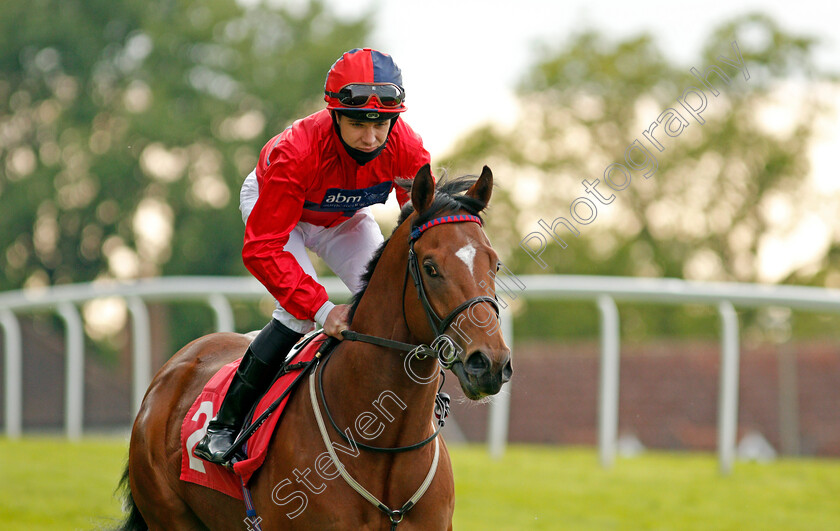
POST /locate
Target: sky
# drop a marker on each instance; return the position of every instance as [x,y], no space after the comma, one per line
[484,47]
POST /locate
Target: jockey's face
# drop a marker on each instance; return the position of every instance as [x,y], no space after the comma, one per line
[364,136]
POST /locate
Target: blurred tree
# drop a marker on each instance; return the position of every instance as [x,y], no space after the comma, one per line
[721,189]
[126,128]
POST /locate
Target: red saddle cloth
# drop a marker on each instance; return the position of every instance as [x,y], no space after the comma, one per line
[194,427]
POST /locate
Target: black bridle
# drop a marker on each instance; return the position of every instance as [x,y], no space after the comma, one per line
[443,344]
[442,347]
[439,326]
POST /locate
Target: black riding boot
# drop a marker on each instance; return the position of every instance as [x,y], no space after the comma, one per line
[260,363]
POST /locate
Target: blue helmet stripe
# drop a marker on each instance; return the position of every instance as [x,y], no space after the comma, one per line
[384,69]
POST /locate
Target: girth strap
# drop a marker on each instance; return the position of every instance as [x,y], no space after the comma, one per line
[395,516]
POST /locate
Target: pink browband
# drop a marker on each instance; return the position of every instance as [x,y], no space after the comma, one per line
[459,218]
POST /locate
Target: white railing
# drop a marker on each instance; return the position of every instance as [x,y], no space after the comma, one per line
[725,296]
[63,300]
[218,291]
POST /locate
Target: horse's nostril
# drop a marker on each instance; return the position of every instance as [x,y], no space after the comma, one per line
[507,372]
[477,363]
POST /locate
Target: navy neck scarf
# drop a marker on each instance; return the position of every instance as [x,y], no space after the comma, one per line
[363,157]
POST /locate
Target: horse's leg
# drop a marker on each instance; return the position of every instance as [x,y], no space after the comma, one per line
[154,455]
[162,508]
[159,503]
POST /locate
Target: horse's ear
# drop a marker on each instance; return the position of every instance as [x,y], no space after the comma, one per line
[482,189]
[423,189]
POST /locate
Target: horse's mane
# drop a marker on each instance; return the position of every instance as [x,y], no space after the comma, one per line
[449,199]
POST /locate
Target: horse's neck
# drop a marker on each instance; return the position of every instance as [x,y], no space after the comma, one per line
[366,378]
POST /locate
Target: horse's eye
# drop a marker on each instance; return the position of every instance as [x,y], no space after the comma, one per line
[430,270]
[498,266]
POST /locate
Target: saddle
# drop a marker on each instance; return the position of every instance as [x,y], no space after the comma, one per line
[252,443]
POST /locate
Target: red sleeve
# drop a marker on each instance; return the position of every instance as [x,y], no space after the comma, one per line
[275,215]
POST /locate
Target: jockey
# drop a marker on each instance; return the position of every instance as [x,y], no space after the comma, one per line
[312,189]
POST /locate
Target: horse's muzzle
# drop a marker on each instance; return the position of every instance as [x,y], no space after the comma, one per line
[481,374]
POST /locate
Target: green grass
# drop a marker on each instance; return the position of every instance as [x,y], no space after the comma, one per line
[50,484]
[549,488]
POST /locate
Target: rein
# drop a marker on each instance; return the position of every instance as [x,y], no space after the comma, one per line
[442,397]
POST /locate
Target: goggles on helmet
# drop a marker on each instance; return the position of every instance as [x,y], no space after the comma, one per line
[389,95]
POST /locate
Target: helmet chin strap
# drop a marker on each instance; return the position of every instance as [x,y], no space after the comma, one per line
[362,157]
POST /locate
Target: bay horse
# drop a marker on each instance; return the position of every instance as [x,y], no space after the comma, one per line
[440,243]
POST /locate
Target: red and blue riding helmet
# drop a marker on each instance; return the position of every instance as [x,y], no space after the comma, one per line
[365,83]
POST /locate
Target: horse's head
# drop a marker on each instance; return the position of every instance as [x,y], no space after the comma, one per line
[453,267]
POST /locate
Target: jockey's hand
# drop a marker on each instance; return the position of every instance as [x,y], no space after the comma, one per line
[337,321]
